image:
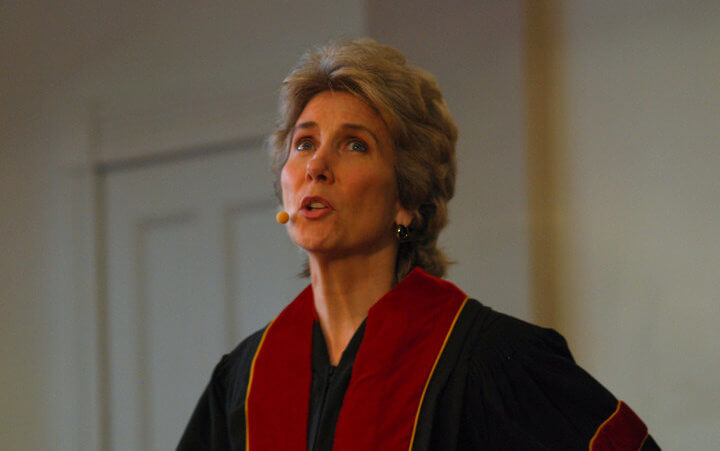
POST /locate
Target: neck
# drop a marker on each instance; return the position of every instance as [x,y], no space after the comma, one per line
[345,289]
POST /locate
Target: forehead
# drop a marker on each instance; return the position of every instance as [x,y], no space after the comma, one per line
[338,107]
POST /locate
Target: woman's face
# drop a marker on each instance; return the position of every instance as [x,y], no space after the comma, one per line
[338,183]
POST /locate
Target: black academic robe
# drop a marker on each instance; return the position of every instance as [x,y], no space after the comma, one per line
[497,383]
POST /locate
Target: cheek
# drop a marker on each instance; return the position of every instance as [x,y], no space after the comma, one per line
[285,185]
[377,191]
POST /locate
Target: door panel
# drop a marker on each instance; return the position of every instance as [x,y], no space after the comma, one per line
[196,262]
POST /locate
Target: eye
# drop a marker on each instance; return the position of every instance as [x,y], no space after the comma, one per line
[304,144]
[357,146]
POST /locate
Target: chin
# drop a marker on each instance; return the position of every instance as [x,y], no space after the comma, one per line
[316,244]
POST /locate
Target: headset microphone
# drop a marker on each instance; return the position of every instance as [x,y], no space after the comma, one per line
[282,217]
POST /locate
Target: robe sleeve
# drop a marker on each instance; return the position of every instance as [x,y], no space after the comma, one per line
[207,428]
[525,391]
[218,421]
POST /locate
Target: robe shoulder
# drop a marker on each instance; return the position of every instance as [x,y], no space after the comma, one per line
[218,421]
[523,389]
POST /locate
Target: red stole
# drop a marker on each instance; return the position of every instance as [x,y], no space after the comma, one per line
[405,333]
[622,430]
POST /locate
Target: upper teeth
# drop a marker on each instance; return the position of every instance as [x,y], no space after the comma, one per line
[316,205]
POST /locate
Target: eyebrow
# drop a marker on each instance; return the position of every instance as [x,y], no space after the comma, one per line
[364,129]
[312,124]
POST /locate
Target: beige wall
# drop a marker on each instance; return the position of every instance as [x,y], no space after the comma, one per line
[624,107]
[633,187]
[641,107]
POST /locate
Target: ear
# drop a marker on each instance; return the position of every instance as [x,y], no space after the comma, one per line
[403,216]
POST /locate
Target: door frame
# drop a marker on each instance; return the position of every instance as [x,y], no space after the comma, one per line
[113,146]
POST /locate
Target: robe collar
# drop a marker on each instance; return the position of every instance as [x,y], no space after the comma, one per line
[405,334]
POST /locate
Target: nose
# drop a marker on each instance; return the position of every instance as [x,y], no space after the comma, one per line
[318,168]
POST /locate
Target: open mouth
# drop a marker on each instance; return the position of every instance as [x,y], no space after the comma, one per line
[315,206]
[313,203]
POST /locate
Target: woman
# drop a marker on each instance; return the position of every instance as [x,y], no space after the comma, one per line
[378,352]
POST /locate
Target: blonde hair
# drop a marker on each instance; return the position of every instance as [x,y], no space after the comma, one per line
[423,132]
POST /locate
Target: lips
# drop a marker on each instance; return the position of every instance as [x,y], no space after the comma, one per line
[314,207]
[315,203]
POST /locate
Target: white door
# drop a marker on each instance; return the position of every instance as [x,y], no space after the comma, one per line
[196,262]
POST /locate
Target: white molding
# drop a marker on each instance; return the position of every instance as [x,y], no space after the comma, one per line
[132,134]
